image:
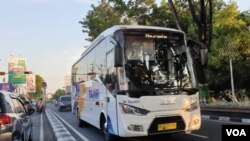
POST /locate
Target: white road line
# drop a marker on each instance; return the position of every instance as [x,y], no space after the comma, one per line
[72,128]
[41,128]
[201,136]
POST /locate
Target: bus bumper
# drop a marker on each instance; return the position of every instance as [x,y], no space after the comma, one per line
[163,122]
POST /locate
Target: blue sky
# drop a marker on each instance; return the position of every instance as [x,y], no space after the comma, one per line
[48,34]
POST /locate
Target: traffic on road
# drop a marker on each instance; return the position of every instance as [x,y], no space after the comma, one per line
[43,131]
[144,70]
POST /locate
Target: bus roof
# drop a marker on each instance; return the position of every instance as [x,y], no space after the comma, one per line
[115,28]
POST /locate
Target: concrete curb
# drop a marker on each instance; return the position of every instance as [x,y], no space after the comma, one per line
[225,118]
[60,132]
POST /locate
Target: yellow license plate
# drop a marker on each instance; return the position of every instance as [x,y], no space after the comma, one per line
[167,126]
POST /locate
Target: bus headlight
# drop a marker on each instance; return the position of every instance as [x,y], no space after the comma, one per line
[128,109]
[193,106]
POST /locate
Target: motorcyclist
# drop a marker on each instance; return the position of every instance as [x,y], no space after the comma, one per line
[40,105]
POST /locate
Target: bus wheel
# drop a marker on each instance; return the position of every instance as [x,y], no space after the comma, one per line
[80,122]
[108,137]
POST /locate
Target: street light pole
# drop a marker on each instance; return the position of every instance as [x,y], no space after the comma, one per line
[232,81]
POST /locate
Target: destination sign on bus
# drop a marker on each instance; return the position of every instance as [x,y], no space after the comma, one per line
[154,36]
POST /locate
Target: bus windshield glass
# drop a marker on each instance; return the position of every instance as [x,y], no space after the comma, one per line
[155,60]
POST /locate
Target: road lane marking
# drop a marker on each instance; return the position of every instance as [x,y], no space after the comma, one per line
[196,135]
[58,128]
[41,128]
[72,128]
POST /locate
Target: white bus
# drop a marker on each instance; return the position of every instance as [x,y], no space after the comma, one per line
[137,81]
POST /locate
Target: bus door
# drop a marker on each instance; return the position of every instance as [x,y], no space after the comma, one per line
[111,107]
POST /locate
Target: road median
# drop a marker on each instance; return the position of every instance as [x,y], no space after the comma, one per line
[60,132]
[235,114]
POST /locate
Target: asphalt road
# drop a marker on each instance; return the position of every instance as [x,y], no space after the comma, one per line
[41,129]
[209,131]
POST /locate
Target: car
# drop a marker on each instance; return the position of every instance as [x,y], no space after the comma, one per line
[15,121]
[27,104]
[64,103]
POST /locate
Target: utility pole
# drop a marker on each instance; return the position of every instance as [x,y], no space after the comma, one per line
[232,81]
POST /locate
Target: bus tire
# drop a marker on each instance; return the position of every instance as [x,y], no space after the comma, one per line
[107,136]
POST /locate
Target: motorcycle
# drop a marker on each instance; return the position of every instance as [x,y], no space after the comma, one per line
[39,107]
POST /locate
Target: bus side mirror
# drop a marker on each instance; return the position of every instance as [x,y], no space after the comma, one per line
[199,51]
[118,62]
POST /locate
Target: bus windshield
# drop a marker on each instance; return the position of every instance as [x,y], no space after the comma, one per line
[155,60]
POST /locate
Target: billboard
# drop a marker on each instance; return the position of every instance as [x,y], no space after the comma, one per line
[16,64]
[6,87]
[17,78]
[31,83]
[16,68]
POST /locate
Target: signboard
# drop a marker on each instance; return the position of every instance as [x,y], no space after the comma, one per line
[31,83]
[17,78]
[16,64]
[17,67]
[6,87]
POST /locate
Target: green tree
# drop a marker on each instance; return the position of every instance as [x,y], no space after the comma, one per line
[245,16]
[114,12]
[100,18]
[39,89]
[159,16]
[58,93]
[231,40]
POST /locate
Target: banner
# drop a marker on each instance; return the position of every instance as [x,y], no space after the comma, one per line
[17,78]
[31,83]
[6,87]
[16,64]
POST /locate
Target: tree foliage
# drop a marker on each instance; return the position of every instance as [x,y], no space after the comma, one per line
[100,18]
[39,89]
[58,93]
[113,12]
[230,38]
